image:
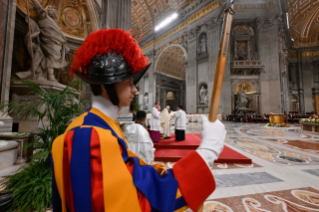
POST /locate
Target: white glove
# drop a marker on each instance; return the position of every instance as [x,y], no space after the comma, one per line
[213,135]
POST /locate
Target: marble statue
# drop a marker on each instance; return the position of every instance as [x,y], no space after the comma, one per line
[242,101]
[37,52]
[52,41]
[242,51]
[236,50]
[183,42]
[248,50]
[145,100]
[203,95]
[203,45]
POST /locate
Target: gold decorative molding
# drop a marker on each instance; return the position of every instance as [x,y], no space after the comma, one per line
[304,22]
[204,11]
[191,19]
[75,18]
[304,54]
[146,13]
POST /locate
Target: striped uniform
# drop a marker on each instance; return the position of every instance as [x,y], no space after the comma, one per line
[94,171]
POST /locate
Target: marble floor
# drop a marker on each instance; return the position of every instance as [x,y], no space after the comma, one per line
[284,176]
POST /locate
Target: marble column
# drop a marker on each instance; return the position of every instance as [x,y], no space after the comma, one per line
[151,82]
[117,14]
[315,69]
[268,46]
[141,93]
[285,87]
[191,89]
[7,25]
[300,84]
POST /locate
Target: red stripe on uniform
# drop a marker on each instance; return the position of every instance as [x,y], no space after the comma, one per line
[96,174]
[67,151]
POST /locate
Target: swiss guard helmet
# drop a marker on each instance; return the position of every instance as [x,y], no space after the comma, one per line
[108,56]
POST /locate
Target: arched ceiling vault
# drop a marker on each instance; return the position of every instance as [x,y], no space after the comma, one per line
[304,22]
[172,62]
[147,13]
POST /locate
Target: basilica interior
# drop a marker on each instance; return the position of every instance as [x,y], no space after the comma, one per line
[269,100]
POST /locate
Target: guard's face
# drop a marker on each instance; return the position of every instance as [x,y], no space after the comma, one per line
[126,91]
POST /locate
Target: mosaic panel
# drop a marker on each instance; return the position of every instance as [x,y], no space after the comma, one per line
[312,171]
[299,200]
[233,180]
[280,156]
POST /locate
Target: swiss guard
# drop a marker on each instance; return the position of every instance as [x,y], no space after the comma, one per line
[93,169]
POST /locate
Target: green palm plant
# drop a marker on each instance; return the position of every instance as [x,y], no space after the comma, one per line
[55,111]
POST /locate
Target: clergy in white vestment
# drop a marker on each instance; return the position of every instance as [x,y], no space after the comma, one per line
[166,119]
[138,138]
[180,124]
[155,124]
[148,119]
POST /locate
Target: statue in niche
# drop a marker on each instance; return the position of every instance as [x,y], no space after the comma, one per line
[203,95]
[242,101]
[52,44]
[145,100]
[203,44]
[241,51]
[236,50]
[248,50]
[37,52]
[183,42]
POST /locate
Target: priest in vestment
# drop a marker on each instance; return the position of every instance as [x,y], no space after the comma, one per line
[166,120]
[180,125]
[155,123]
[139,140]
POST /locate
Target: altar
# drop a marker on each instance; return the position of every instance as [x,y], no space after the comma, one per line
[276,119]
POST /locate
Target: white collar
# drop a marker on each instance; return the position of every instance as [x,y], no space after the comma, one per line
[105,106]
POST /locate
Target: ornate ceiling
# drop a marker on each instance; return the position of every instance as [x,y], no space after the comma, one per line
[146,12]
[304,22]
[75,17]
[172,62]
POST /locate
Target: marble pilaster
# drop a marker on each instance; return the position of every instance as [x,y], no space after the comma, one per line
[191,105]
[151,83]
[300,84]
[268,44]
[307,85]
[8,15]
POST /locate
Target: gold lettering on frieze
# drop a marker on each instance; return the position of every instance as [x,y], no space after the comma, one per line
[305,54]
[264,6]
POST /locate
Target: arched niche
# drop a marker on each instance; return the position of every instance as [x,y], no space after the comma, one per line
[250,90]
[203,99]
[243,43]
[145,101]
[172,61]
[202,44]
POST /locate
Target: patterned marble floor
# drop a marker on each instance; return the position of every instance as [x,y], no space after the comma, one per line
[284,176]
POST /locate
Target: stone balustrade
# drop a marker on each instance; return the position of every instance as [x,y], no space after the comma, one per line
[247,64]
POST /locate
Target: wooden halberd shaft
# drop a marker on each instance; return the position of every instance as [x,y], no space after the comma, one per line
[220,67]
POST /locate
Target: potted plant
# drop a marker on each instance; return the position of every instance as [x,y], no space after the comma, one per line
[30,186]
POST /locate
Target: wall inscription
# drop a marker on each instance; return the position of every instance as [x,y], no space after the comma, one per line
[242,6]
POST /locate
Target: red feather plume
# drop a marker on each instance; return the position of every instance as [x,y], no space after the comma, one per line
[105,40]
